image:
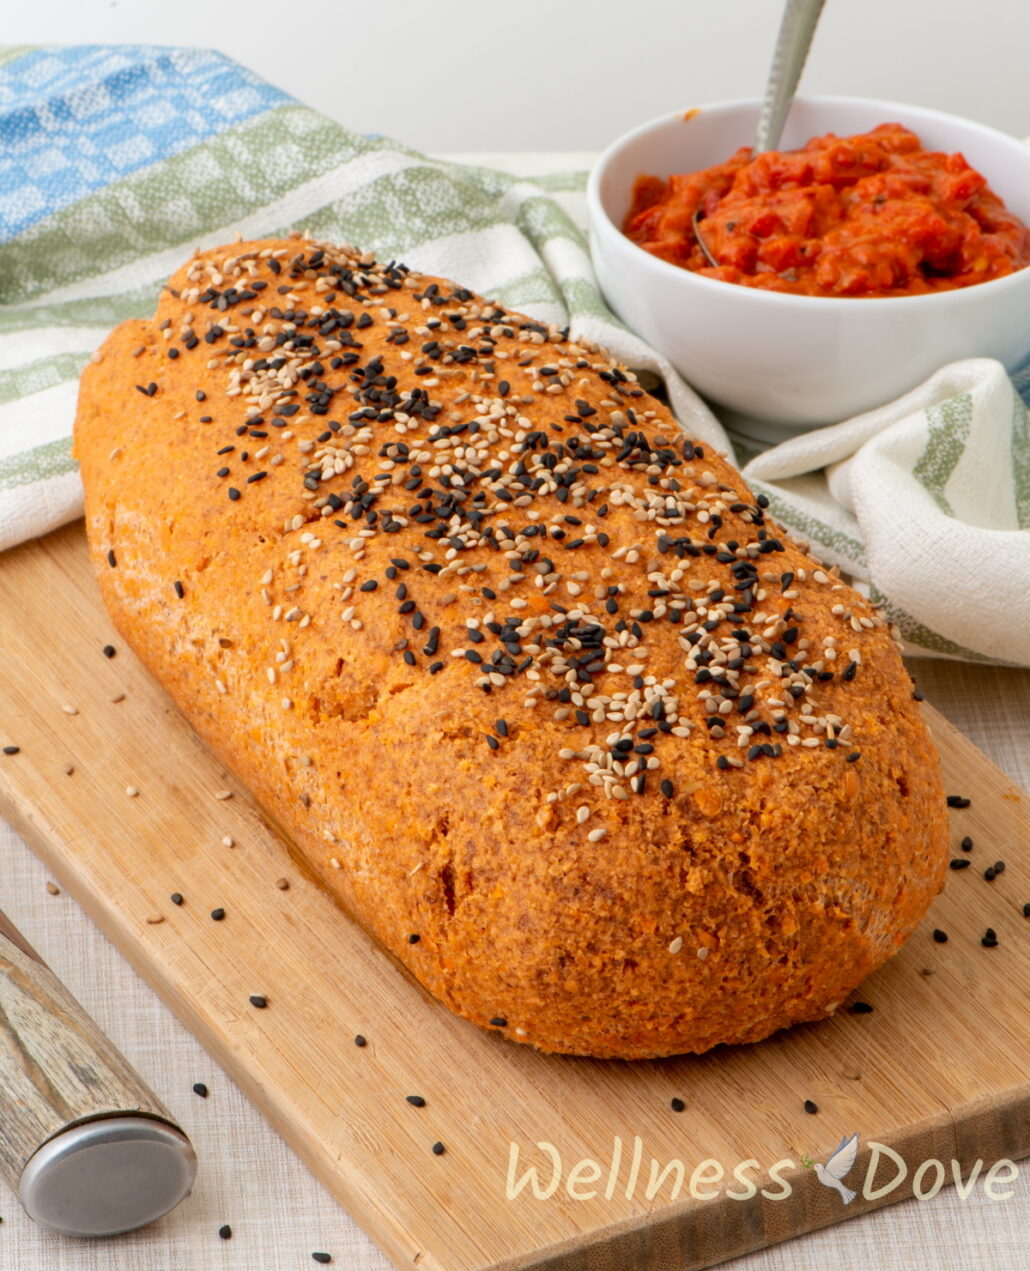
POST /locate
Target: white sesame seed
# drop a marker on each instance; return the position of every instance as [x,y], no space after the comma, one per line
[595,836]
[676,945]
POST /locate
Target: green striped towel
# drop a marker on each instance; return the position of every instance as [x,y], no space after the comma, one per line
[116,161]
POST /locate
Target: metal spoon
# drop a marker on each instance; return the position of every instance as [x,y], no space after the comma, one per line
[797,28]
[796,31]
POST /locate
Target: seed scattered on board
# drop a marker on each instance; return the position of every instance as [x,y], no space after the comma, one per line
[53,889]
[200,1089]
[258,1001]
[225,1231]
[811,1107]
[438,1149]
[677,1105]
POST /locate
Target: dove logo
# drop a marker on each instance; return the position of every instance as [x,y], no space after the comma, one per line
[837,1168]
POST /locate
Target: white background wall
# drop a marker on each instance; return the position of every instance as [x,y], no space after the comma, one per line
[456,75]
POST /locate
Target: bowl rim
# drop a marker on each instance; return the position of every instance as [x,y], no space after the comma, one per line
[599,218]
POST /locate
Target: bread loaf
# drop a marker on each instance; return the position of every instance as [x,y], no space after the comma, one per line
[532,680]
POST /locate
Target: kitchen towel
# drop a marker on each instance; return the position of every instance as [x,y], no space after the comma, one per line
[116,161]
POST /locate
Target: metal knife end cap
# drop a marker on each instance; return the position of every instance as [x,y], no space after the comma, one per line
[108,1175]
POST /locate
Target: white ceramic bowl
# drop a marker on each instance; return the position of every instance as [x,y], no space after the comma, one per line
[787,362]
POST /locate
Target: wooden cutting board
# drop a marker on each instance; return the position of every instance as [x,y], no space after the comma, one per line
[938,1070]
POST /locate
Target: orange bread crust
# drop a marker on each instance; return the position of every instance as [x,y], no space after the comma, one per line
[460,604]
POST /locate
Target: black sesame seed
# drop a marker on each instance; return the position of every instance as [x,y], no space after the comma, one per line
[414,938]
[234,494]
[811,1107]
[1026,910]
[109,650]
[861,1008]
[999,867]
[492,742]
[111,558]
[258,1000]
[966,844]
[667,788]
[990,873]
[200,1088]
[499,1021]
[854,756]
[960,862]
[225,1232]
[218,914]
[176,898]
[677,1105]
[502,727]
[323,1258]
[989,940]
[438,1148]
[360,1041]
[957,801]
[416,1100]
[180,591]
[12,750]
[940,937]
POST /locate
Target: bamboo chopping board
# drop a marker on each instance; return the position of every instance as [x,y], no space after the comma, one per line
[938,1070]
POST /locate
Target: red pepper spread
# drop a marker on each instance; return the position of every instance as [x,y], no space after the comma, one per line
[870,215]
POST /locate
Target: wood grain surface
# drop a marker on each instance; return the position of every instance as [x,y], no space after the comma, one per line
[937,1070]
[56,1066]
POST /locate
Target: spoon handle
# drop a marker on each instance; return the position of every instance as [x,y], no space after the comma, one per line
[796,31]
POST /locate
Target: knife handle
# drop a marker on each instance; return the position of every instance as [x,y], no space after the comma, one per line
[59,1073]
